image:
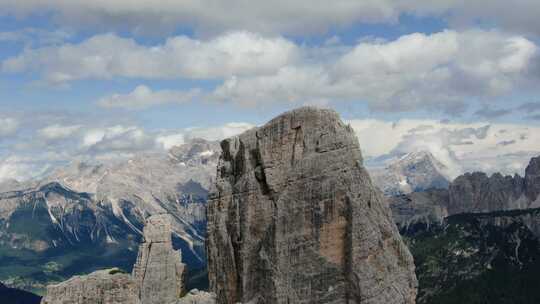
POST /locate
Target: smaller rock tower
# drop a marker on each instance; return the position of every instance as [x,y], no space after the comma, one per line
[159,272]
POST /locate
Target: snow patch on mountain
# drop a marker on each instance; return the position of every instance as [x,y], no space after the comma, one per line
[408,173]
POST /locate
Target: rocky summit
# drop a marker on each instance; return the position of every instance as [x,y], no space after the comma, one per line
[415,171]
[532,180]
[295,218]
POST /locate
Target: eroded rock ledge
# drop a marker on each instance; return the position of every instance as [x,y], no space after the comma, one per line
[295,218]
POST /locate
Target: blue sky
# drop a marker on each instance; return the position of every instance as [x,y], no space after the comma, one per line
[103,80]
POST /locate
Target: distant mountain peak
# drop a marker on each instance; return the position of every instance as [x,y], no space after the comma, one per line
[414,171]
[532,179]
[417,157]
[196,150]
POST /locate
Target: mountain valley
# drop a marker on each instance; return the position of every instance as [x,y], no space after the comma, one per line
[87,217]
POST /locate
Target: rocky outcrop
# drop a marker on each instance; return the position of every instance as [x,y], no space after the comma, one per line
[158,275]
[159,271]
[198,297]
[104,286]
[532,180]
[295,218]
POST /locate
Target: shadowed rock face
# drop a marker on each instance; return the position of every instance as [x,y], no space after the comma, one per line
[295,218]
[532,179]
[15,296]
[476,192]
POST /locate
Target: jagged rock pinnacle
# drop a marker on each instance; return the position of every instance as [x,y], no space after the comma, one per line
[159,270]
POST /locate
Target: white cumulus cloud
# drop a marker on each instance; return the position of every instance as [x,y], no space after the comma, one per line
[170,140]
[143,97]
[438,71]
[107,56]
[461,147]
[278,16]
[207,16]
[415,71]
[8,126]
[57,131]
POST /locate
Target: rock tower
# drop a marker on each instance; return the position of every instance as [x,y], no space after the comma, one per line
[295,218]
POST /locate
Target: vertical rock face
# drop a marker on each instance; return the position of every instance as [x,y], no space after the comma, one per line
[476,192]
[104,286]
[159,272]
[532,179]
[295,218]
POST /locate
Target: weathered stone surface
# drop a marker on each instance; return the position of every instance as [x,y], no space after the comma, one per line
[532,179]
[104,286]
[295,218]
[198,297]
[476,192]
[159,271]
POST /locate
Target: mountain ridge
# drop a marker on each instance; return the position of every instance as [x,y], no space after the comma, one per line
[474,192]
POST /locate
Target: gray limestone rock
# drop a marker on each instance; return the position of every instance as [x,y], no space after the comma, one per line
[159,270]
[532,179]
[158,275]
[295,218]
[476,192]
[198,297]
[104,286]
